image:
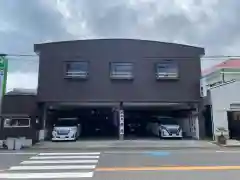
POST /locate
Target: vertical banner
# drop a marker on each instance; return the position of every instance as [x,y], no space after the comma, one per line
[3,77]
[121,124]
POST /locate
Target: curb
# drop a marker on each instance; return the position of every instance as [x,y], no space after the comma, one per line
[226,146]
[229,146]
[121,148]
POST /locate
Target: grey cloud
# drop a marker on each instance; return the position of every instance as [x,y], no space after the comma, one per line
[120,19]
[29,22]
[33,19]
[36,22]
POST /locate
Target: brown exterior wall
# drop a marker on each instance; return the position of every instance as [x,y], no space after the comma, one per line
[19,106]
[53,87]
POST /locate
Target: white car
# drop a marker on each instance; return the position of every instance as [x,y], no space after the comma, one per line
[165,127]
[66,129]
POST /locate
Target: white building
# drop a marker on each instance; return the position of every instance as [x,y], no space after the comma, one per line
[225,71]
[224,99]
[221,88]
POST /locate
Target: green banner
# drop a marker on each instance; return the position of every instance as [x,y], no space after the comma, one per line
[3,74]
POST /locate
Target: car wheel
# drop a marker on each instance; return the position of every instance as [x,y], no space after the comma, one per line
[160,135]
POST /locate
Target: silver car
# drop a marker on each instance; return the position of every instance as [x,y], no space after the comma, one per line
[66,129]
[165,127]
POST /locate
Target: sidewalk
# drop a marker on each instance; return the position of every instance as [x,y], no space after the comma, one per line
[232,143]
[126,144]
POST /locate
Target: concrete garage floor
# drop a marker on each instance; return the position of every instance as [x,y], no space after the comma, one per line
[126,144]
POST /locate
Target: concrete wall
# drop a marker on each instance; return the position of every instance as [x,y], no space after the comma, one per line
[221,98]
[190,126]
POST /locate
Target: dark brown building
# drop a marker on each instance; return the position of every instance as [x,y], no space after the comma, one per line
[117,73]
[21,108]
[114,70]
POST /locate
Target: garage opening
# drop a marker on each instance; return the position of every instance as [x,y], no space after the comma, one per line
[85,123]
[145,122]
[160,123]
[149,124]
[234,124]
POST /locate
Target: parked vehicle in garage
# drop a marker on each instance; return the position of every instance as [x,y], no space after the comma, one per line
[133,128]
[66,129]
[165,127]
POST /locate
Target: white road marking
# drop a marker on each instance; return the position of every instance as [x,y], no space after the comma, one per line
[60,162]
[65,157]
[65,154]
[52,167]
[18,153]
[228,151]
[170,151]
[41,163]
[45,175]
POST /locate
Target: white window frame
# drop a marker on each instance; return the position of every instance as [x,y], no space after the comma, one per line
[121,75]
[12,118]
[76,74]
[167,75]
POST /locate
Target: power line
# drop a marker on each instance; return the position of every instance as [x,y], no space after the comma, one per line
[20,55]
[210,57]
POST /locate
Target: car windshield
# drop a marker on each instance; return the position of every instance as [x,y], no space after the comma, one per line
[62,123]
[167,120]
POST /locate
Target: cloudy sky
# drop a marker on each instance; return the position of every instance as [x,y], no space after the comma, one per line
[212,24]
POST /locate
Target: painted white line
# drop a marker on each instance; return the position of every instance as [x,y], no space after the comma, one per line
[65,167]
[60,162]
[66,154]
[45,175]
[228,151]
[65,157]
[18,153]
[172,152]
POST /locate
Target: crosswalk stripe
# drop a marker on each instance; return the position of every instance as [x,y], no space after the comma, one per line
[64,157]
[65,154]
[82,165]
[45,175]
[65,167]
[60,161]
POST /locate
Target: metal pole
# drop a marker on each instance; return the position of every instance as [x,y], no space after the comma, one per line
[223,75]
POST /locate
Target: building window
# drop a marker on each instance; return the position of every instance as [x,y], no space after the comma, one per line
[77,69]
[121,70]
[16,122]
[167,70]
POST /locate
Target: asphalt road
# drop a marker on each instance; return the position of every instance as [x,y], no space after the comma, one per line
[122,165]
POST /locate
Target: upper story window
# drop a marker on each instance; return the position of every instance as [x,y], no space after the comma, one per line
[77,69]
[167,69]
[121,70]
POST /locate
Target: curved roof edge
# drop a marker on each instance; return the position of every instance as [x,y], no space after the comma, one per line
[119,39]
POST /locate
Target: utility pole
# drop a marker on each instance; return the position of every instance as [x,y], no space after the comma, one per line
[223,75]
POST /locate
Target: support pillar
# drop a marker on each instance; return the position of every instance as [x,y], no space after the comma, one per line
[43,133]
